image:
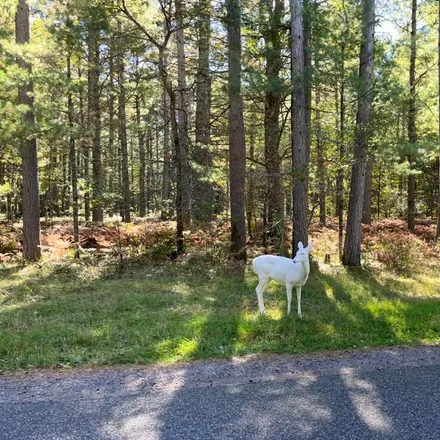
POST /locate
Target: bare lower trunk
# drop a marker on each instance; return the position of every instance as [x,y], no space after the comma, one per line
[299,129]
[167,159]
[366,211]
[321,168]
[142,163]
[182,111]
[412,133]
[73,165]
[237,147]
[352,245]
[95,117]
[125,177]
[438,90]
[28,148]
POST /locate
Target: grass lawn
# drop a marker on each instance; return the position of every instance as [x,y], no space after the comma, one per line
[84,314]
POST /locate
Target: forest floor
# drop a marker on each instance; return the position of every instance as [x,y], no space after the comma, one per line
[126,302]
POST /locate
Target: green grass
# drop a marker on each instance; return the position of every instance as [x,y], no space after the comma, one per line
[83,315]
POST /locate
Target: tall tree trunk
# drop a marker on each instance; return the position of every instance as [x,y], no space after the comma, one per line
[272,132]
[412,133]
[167,159]
[84,157]
[237,147]
[73,164]
[321,171]
[307,41]
[182,153]
[438,79]
[366,211]
[95,118]
[141,145]
[340,110]
[28,148]
[203,191]
[123,135]
[352,245]
[299,129]
[112,155]
[250,196]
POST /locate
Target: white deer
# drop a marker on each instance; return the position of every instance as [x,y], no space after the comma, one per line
[292,273]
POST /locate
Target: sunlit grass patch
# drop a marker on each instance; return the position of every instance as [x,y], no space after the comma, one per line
[55,315]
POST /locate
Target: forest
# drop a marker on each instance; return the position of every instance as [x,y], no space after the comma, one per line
[158,146]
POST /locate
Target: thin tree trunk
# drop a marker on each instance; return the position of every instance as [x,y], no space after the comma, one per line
[73,165]
[340,106]
[167,159]
[379,189]
[113,158]
[84,157]
[307,26]
[142,163]
[95,117]
[123,134]
[182,153]
[28,148]
[321,171]
[299,129]
[412,133]
[366,211]
[438,68]
[250,197]
[352,245]
[237,147]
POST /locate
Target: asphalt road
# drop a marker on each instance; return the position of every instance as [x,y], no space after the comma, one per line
[367,394]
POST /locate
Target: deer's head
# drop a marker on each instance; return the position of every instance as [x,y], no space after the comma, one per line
[303,253]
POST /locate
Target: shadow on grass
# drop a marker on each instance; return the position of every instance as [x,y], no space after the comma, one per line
[178,312]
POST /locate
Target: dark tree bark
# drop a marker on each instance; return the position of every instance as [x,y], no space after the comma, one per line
[203,191]
[141,145]
[123,135]
[73,164]
[182,152]
[321,171]
[366,211]
[299,129]
[237,147]
[307,26]
[167,159]
[412,133]
[352,245]
[28,148]
[112,153]
[203,89]
[95,120]
[340,127]
[438,69]
[250,194]
[272,133]
[84,147]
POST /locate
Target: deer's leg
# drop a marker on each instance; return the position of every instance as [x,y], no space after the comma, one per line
[298,297]
[260,290]
[289,296]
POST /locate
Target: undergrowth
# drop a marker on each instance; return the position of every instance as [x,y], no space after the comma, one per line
[63,313]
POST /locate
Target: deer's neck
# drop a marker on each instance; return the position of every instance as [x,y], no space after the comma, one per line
[306,268]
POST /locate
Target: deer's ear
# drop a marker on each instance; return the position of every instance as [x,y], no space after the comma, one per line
[309,247]
[300,245]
